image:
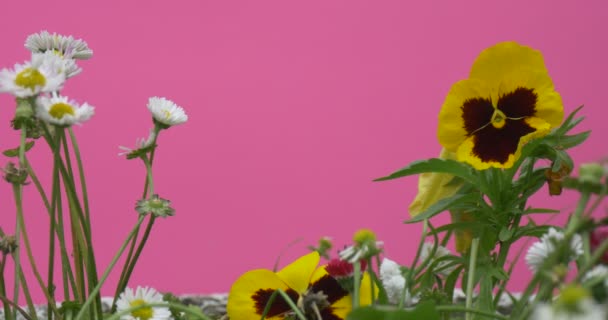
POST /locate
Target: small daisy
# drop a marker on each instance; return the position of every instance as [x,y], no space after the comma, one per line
[129,299]
[573,303]
[540,250]
[364,248]
[142,146]
[156,205]
[59,111]
[393,282]
[427,249]
[66,46]
[166,112]
[46,72]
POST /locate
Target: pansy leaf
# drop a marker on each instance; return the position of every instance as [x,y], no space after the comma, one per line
[445,204]
[456,168]
[567,142]
[15,152]
[569,123]
[424,310]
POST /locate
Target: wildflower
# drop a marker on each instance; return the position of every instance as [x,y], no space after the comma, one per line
[541,250]
[44,73]
[364,248]
[591,173]
[58,110]
[343,272]
[142,146]
[508,100]
[324,246]
[441,251]
[65,46]
[316,293]
[156,205]
[394,283]
[8,244]
[166,112]
[129,299]
[573,303]
[14,174]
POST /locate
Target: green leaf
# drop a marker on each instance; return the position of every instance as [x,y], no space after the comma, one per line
[12,153]
[458,169]
[540,210]
[424,310]
[567,142]
[569,123]
[505,234]
[445,204]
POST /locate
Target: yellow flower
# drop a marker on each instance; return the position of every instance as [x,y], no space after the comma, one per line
[508,100]
[303,282]
[433,186]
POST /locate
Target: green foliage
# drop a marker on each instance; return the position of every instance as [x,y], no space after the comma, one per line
[424,310]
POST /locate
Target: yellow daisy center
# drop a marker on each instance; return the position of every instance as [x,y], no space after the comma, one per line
[30,78]
[167,114]
[145,313]
[498,119]
[58,110]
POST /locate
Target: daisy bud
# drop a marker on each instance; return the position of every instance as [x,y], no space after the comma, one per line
[8,244]
[14,175]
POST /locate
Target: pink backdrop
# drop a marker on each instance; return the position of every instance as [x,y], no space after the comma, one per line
[295,106]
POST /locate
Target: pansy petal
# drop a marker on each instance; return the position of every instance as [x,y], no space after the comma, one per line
[466,109]
[496,61]
[433,186]
[342,306]
[297,274]
[250,293]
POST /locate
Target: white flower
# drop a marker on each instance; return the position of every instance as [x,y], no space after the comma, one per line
[128,299]
[540,250]
[140,143]
[58,110]
[46,72]
[427,249]
[66,46]
[394,282]
[166,112]
[599,272]
[587,310]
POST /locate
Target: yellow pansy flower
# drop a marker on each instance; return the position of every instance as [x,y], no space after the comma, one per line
[508,100]
[304,283]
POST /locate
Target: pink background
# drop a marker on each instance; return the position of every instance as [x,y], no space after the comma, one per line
[295,106]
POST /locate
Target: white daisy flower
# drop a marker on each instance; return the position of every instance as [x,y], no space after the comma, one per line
[66,46]
[393,282]
[141,143]
[166,112]
[58,110]
[540,250]
[427,249]
[46,72]
[599,272]
[573,303]
[129,299]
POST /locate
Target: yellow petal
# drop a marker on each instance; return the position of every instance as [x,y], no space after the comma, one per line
[464,237]
[496,61]
[297,274]
[244,301]
[451,128]
[433,187]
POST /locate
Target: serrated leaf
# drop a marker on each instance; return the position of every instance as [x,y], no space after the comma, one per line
[569,123]
[12,153]
[443,205]
[424,310]
[452,167]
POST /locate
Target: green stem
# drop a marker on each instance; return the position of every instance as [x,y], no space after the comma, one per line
[16,254]
[8,314]
[466,310]
[471,276]
[106,273]
[18,202]
[409,281]
[28,298]
[357,283]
